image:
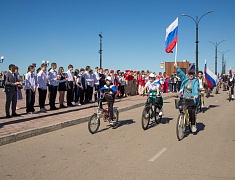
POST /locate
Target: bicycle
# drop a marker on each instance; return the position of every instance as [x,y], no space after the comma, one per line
[94,121]
[149,112]
[183,119]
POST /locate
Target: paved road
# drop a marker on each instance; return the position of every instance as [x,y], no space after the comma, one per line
[128,152]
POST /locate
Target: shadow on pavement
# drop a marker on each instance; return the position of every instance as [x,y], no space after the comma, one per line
[209,107]
[200,127]
[120,124]
[166,120]
[124,122]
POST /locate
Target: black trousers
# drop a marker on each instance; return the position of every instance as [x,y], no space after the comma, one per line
[42,97]
[81,94]
[70,93]
[75,95]
[191,110]
[11,100]
[122,90]
[53,93]
[179,85]
[174,87]
[110,102]
[89,93]
[30,100]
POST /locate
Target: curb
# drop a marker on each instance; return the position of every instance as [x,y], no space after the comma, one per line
[46,129]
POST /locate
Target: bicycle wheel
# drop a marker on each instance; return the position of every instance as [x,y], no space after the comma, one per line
[93,124]
[180,127]
[145,118]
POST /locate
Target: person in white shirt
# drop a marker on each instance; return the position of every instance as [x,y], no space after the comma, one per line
[86,76]
[76,87]
[53,83]
[82,81]
[155,85]
[97,80]
[203,86]
[90,85]
[42,87]
[30,88]
[70,82]
[122,84]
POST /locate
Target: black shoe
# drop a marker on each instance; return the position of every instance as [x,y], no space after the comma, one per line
[54,108]
[62,106]
[15,115]
[70,105]
[8,116]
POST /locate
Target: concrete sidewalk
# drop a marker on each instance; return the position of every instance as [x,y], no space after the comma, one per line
[25,126]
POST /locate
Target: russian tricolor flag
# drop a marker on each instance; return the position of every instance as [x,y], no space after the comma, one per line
[210,77]
[171,36]
[192,66]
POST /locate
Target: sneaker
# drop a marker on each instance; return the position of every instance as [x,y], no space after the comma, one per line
[202,105]
[30,112]
[42,110]
[62,106]
[160,113]
[77,104]
[194,128]
[232,96]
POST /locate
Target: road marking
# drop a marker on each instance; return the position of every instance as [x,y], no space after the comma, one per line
[157,155]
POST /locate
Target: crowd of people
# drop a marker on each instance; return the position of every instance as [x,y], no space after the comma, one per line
[79,86]
[76,85]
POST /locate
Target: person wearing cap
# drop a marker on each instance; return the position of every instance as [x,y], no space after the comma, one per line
[109,91]
[155,85]
[190,88]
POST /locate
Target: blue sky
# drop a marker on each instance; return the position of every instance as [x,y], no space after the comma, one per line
[66,32]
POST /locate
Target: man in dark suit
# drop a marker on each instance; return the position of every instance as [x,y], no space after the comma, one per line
[11,83]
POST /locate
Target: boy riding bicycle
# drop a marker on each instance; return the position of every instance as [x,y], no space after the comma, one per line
[109,91]
[154,86]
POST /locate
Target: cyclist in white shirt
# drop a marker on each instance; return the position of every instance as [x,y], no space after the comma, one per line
[154,85]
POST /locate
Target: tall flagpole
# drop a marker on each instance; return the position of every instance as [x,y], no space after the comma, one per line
[176,50]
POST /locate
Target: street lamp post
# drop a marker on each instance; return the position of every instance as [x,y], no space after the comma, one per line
[197,22]
[100,51]
[216,48]
[223,61]
[2,59]
[225,64]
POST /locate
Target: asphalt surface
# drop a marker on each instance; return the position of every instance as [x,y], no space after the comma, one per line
[129,152]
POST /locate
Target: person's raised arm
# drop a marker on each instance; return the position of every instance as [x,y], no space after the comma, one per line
[180,73]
